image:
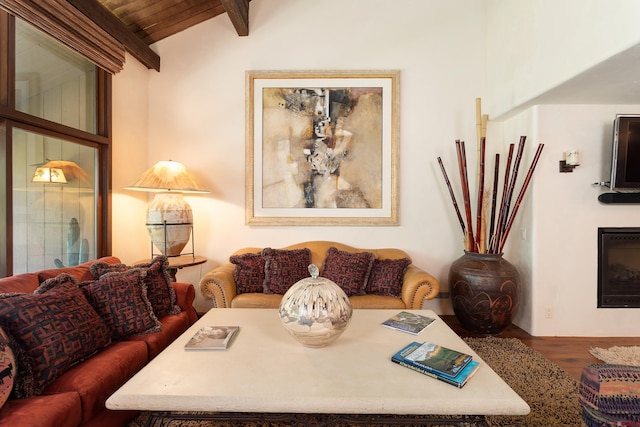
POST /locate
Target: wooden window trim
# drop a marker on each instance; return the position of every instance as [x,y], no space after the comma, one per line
[65,23]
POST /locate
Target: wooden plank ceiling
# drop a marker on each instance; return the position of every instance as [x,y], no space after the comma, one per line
[153,20]
[138,23]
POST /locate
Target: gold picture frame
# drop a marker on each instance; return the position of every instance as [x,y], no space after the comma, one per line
[322,147]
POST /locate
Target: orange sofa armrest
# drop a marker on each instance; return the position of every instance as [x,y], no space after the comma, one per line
[418,286]
[219,285]
[185,296]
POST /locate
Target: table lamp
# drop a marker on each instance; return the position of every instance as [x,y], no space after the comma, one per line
[169,216]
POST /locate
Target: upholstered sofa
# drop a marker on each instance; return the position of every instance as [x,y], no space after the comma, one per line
[386,278]
[47,392]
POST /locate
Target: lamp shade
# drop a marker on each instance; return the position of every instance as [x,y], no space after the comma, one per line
[167,175]
[49,175]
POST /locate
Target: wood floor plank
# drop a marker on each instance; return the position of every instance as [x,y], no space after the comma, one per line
[570,353]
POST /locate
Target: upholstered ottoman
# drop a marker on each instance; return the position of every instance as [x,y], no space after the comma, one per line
[610,395]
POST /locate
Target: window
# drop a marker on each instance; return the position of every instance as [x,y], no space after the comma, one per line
[54,139]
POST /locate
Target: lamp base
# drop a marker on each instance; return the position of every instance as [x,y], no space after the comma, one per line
[170,223]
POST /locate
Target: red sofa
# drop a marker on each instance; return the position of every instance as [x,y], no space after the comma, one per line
[77,397]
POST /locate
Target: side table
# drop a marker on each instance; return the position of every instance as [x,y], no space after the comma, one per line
[178,262]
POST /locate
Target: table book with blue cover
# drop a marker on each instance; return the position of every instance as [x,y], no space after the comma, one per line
[434,358]
[458,380]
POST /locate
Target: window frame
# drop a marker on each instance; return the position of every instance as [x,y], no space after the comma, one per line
[10,118]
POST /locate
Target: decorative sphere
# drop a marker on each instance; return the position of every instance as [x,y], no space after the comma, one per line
[315,311]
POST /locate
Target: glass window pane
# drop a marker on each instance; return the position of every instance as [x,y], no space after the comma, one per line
[54,202]
[52,81]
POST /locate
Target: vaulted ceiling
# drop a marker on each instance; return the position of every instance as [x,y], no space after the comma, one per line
[138,23]
[153,20]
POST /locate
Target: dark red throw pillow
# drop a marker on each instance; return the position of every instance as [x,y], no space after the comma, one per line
[387,276]
[121,301]
[349,270]
[284,268]
[248,272]
[160,291]
[50,330]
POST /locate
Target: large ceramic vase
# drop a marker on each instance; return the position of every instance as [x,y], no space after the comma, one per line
[485,292]
[169,222]
[315,310]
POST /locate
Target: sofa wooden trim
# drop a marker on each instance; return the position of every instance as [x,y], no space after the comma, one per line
[219,286]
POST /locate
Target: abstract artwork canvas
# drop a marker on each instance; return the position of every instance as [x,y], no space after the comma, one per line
[321,148]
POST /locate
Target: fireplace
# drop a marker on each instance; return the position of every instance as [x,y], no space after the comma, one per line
[619,267]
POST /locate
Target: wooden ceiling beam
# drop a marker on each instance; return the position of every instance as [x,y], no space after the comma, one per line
[93,10]
[238,11]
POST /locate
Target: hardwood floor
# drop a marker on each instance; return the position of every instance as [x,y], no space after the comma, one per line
[570,353]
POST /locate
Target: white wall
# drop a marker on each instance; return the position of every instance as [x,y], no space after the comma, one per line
[197,112]
[130,240]
[568,214]
[196,115]
[534,46]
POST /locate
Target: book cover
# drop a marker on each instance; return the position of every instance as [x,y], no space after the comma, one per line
[408,322]
[212,338]
[434,358]
[458,381]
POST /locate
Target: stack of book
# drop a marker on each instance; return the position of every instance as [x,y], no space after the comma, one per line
[444,364]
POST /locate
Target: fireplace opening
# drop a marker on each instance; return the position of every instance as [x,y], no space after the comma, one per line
[619,267]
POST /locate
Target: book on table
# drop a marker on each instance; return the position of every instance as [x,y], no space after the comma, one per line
[405,321]
[444,364]
[212,338]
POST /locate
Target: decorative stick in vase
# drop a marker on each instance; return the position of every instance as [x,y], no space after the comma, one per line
[470,244]
[521,195]
[453,197]
[495,239]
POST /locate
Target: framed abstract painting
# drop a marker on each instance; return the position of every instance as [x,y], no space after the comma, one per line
[322,147]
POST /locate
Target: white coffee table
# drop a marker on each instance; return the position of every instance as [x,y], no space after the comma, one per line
[267,370]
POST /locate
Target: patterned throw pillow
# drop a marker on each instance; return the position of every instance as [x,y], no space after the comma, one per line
[284,268]
[8,368]
[387,276]
[248,273]
[159,289]
[50,330]
[121,301]
[349,270]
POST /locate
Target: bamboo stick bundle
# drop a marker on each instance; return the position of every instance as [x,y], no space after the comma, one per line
[521,195]
[464,179]
[495,238]
[510,190]
[453,197]
[494,197]
[480,210]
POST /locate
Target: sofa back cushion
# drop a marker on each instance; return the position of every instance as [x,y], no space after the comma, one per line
[120,298]
[248,273]
[349,270]
[283,268]
[51,330]
[387,276]
[160,291]
[81,272]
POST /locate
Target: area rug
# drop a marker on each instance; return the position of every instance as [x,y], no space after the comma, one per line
[618,355]
[550,392]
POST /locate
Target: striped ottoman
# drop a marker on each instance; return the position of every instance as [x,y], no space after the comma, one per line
[610,395]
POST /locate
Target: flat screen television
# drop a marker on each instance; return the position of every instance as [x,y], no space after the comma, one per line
[625,159]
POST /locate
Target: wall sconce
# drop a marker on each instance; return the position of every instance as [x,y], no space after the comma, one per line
[169,216]
[571,160]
